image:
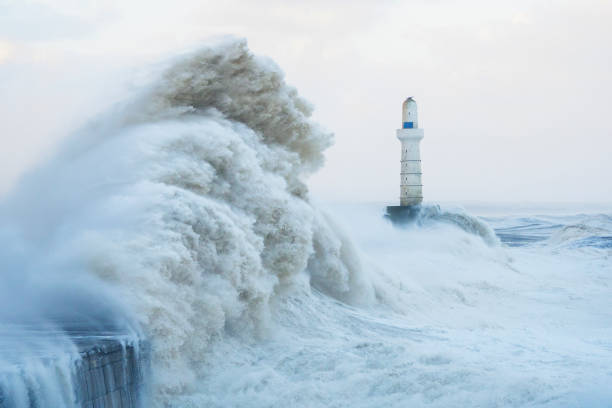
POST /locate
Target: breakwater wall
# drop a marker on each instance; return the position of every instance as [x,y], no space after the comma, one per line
[113,375]
[103,372]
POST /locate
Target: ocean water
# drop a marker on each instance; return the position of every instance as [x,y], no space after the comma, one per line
[456,321]
[182,216]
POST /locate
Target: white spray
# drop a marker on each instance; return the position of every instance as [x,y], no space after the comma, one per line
[189,202]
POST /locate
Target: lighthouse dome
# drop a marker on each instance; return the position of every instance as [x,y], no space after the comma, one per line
[409,114]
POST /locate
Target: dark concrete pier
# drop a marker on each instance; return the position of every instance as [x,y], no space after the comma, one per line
[402,214]
[113,375]
[40,369]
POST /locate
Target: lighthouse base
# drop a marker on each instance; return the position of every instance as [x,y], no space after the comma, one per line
[402,214]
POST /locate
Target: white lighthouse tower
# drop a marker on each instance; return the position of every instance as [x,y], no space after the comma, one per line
[411,187]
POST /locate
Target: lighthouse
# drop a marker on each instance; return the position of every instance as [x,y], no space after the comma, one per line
[411,187]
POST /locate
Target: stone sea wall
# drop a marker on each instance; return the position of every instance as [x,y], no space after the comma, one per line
[113,375]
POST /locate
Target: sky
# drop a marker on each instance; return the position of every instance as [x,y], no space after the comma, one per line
[514,96]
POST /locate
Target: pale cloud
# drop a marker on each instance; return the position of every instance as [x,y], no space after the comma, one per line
[492,79]
[6,50]
[38,21]
[521,18]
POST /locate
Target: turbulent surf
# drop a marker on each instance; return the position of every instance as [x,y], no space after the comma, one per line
[182,216]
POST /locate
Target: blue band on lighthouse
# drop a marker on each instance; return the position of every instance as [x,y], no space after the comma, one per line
[408,125]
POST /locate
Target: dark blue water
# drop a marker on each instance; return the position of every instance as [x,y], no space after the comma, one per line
[572,231]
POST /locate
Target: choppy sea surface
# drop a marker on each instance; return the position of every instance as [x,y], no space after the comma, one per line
[523,322]
[457,319]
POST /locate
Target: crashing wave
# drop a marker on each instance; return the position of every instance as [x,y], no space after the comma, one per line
[190,203]
[458,218]
[588,232]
